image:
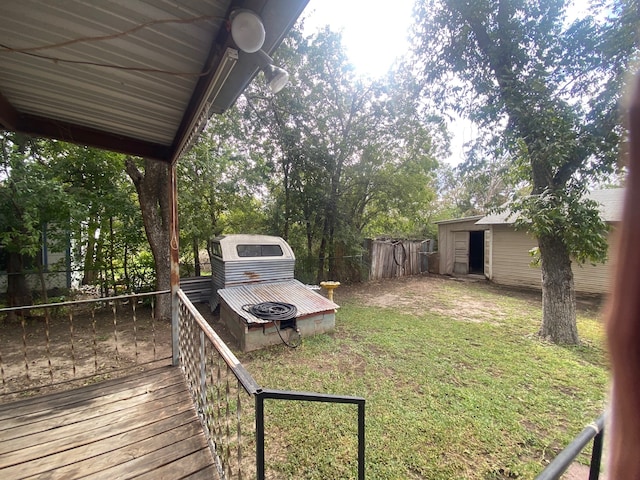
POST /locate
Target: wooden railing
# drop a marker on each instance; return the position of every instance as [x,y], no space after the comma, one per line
[231,403]
[50,344]
[223,392]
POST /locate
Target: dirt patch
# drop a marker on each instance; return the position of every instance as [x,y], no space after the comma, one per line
[416,295]
[76,347]
[72,346]
[434,293]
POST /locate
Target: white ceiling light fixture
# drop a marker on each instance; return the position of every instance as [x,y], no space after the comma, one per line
[227,63]
[276,77]
[247,30]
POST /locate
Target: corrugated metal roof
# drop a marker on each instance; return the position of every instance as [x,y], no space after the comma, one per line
[132,76]
[610,205]
[306,300]
[113,99]
[459,220]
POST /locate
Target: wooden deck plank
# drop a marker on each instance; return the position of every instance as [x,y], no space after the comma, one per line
[141,425]
[188,466]
[208,473]
[156,459]
[138,429]
[120,400]
[48,401]
[52,430]
[91,457]
[160,407]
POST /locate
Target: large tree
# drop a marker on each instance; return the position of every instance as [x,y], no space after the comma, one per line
[153,184]
[347,152]
[547,88]
[219,178]
[101,203]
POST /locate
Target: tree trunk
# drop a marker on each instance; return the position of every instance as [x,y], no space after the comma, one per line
[558,293]
[43,282]
[321,256]
[196,257]
[101,268]
[153,187]
[111,255]
[125,267]
[90,273]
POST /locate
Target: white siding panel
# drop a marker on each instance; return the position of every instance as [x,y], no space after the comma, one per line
[511,260]
[596,278]
[488,249]
[461,252]
[511,264]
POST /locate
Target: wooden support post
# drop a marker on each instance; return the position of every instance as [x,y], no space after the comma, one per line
[175,266]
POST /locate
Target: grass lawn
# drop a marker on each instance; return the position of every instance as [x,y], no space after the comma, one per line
[456,381]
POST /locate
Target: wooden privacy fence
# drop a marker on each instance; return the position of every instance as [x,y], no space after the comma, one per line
[398,258]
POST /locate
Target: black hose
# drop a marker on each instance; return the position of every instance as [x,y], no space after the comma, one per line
[404,253]
[275,312]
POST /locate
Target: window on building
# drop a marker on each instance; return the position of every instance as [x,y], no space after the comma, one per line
[259,251]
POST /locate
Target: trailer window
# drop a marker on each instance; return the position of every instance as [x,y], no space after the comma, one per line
[216,250]
[259,251]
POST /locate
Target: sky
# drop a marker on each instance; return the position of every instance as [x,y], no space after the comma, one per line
[373,33]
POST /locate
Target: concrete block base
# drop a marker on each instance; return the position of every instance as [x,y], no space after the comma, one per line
[251,337]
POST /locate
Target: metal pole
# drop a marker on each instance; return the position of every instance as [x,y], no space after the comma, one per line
[596,456]
[361,441]
[259,436]
[562,461]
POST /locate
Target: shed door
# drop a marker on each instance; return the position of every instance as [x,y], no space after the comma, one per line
[461,252]
[487,254]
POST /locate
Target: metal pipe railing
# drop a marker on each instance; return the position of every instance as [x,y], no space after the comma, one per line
[265,394]
[84,301]
[565,458]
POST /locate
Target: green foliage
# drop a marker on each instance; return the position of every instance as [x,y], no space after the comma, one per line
[346,157]
[82,196]
[30,197]
[546,91]
[576,220]
[217,182]
[105,221]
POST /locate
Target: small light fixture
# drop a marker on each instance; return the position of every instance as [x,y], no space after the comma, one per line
[276,77]
[247,30]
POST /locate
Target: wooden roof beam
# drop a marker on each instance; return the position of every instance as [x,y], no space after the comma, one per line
[69,132]
[9,116]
